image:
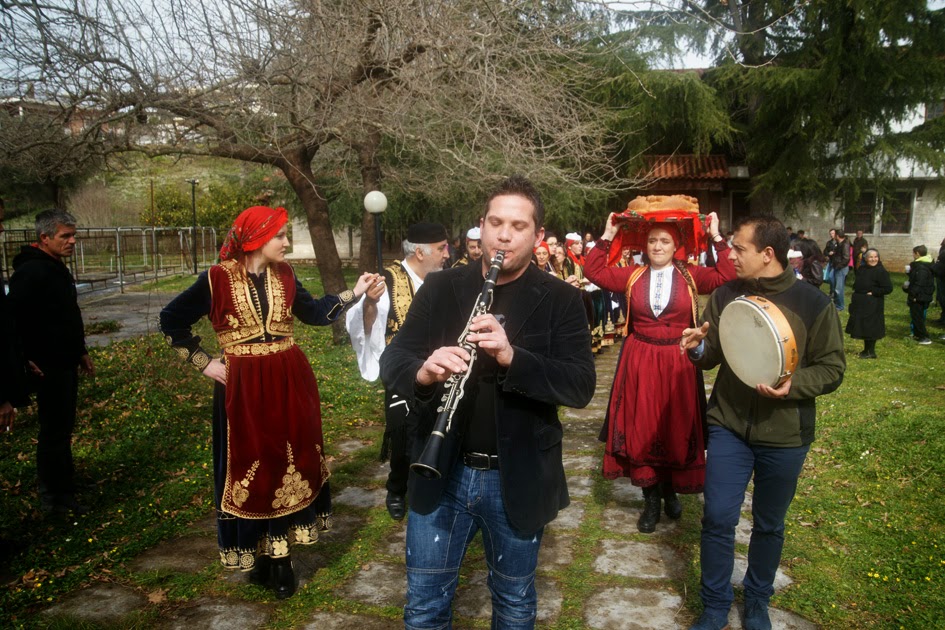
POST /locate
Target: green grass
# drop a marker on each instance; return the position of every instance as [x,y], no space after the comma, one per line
[865,539]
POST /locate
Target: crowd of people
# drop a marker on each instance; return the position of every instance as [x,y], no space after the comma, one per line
[518,349]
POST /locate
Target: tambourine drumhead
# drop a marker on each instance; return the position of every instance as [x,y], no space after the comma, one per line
[757,341]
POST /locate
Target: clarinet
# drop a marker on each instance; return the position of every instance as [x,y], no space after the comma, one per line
[455,385]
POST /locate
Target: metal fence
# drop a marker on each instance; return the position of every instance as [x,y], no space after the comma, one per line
[114,257]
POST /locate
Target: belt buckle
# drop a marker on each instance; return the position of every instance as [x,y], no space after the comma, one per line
[474,461]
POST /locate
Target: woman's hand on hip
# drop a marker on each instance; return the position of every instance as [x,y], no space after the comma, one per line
[216,370]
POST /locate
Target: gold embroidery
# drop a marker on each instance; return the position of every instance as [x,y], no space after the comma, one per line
[294,489]
[240,489]
[401,295]
[279,322]
[346,296]
[260,349]
[249,324]
[232,321]
[182,352]
[235,558]
[200,359]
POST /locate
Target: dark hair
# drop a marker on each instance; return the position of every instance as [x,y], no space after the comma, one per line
[921,250]
[520,186]
[768,232]
[808,247]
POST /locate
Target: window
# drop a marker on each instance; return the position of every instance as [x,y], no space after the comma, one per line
[897,212]
[934,110]
[861,215]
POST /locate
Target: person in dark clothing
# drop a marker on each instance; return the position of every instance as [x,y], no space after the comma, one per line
[860,245]
[13,388]
[867,316]
[812,261]
[49,322]
[940,283]
[501,461]
[920,287]
[840,263]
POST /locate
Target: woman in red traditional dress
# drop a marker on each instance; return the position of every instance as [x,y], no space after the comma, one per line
[271,480]
[654,431]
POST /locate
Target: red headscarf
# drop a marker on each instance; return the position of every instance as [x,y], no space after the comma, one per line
[570,240]
[252,229]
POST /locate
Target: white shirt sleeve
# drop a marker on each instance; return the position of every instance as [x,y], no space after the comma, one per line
[368,345]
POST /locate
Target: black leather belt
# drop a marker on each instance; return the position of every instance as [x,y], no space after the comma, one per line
[481,461]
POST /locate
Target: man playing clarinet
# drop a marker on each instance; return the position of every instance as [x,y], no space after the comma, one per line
[500,460]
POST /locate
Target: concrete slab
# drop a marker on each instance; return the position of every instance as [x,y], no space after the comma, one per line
[190,554]
[624,519]
[781,579]
[556,551]
[100,604]
[638,560]
[625,493]
[743,531]
[579,487]
[348,446]
[136,314]
[378,584]
[360,497]
[217,613]
[474,600]
[581,463]
[381,471]
[396,543]
[624,608]
[341,621]
[568,518]
[575,442]
[588,413]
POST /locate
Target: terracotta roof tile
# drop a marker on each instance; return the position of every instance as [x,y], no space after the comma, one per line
[686,166]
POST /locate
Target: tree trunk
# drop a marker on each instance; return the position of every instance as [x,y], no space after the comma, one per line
[370,180]
[300,177]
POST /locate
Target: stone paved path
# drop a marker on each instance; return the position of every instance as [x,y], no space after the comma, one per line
[596,570]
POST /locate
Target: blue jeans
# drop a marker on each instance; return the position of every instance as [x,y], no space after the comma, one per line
[437,542]
[839,284]
[730,463]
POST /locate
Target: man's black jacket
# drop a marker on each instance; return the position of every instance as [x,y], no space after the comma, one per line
[48,319]
[553,365]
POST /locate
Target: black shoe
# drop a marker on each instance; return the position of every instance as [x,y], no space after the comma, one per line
[865,355]
[61,504]
[261,574]
[396,506]
[282,578]
[671,504]
[651,510]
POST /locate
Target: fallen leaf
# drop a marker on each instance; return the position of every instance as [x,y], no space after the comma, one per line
[157,597]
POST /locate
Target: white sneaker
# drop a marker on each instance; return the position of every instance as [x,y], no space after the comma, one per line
[925,342]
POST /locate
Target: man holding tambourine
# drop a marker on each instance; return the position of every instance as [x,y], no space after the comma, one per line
[764,428]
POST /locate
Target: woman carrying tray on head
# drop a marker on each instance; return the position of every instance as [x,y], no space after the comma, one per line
[654,431]
[271,480]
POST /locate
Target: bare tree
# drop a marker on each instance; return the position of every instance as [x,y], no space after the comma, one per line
[429,94]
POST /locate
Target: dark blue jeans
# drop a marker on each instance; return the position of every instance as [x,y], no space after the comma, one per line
[730,464]
[437,543]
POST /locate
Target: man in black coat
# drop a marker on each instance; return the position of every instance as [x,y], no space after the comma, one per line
[501,460]
[13,389]
[43,297]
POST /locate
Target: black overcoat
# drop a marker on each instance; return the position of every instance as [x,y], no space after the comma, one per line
[867,315]
[552,365]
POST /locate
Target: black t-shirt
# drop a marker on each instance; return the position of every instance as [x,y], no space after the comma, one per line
[480,435]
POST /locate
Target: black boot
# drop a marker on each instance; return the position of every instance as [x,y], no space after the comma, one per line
[651,510]
[261,572]
[671,504]
[871,347]
[283,578]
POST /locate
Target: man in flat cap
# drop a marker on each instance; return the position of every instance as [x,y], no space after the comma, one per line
[372,324]
[473,248]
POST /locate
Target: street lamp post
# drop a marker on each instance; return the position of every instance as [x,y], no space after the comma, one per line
[193,208]
[376,203]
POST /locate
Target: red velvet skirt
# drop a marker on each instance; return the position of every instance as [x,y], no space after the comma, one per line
[274,452]
[654,430]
